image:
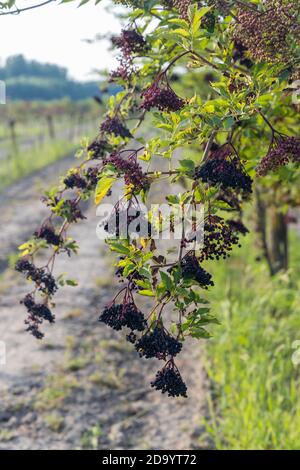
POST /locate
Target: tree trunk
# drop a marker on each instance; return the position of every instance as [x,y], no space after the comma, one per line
[278,240]
[261,229]
[51,129]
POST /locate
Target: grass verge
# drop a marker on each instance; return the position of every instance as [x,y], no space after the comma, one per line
[255,401]
[18,165]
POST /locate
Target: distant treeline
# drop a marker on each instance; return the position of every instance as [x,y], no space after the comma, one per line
[32,80]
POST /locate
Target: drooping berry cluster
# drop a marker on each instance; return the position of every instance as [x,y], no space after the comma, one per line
[160,95]
[98,149]
[219,239]
[155,341]
[75,180]
[224,168]
[266,34]
[91,175]
[113,125]
[183,7]
[130,42]
[122,315]
[282,151]
[70,210]
[85,181]
[169,381]
[47,233]
[158,343]
[37,313]
[132,171]
[191,269]
[44,280]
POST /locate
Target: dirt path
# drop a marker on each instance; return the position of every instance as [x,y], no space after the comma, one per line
[83,386]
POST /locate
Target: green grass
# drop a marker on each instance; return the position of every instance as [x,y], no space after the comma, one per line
[255,402]
[18,165]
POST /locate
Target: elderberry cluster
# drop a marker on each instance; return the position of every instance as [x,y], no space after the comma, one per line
[182,6]
[266,34]
[113,125]
[133,173]
[224,169]
[282,151]
[91,175]
[219,239]
[38,312]
[127,315]
[191,269]
[75,180]
[158,343]
[130,42]
[98,149]
[47,233]
[43,279]
[160,95]
[169,381]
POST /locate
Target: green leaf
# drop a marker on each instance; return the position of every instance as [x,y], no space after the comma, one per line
[146,292]
[103,186]
[118,247]
[166,280]
[187,164]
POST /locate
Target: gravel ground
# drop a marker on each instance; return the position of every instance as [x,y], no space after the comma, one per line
[83,386]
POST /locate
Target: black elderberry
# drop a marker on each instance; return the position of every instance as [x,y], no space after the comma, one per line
[282,151]
[33,328]
[160,95]
[24,266]
[219,239]
[265,34]
[133,173]
[98,149]
[92,175]
[182,6]
[38,312]
[118,316]
[191,269]
[48,234]
[134,318]
[131,337]
[70,210]
[224,169]
[169,381]
[158,343]
[130,41]
[113,125]
[113,316]
[74,180]
[44,280]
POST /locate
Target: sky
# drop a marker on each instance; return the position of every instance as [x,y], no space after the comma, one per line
[55,33]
